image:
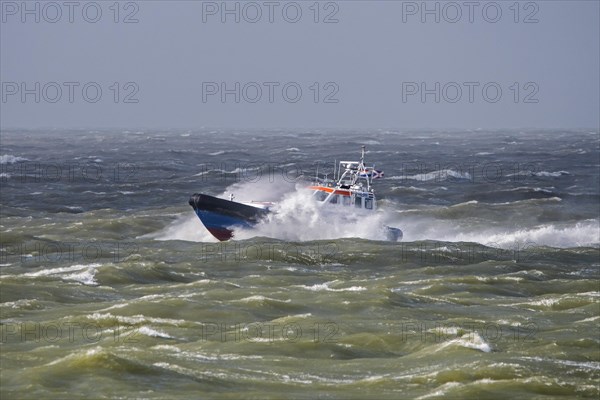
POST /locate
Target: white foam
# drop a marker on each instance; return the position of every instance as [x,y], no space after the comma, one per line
[540,173]
[267,186]
[592,365]
[440,175]
[591,319]
[10,159]
[23,303]
[86,277]
[409,188]
[260,298]
[299,217]
[209,171]
[548,302]
[465,203]
[554,174]
[470,340]
[136,319]
[85,273]
[325,287]
[86,353]
[177,352]
[585,233]
[582,233]
[144,330]
[441,391]
[243,170]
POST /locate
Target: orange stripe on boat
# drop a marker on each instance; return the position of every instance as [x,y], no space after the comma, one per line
[330,190]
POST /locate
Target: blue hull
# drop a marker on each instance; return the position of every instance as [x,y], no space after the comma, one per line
[221,226]
[221,217]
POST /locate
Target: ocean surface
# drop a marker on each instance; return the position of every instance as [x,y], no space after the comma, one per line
[110,287]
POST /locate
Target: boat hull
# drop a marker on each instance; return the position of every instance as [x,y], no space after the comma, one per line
[221,216]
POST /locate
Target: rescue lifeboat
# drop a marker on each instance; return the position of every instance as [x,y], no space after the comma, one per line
[350,190]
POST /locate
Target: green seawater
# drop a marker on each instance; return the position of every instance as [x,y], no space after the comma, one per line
[110,288]
[335,319]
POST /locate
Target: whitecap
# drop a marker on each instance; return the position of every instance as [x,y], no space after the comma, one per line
[439,175]
[471,341]
[553,174]
[86,277]
[58,271]
[441,391]
[260,298]
[22,303]
[144,330]
[325,287]
[593,365]
[10,159]
[136,319]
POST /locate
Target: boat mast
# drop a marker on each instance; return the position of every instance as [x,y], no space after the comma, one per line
[363,169]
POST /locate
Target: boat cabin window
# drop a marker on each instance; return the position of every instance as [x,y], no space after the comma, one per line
[320,195]
[334,199]
[369,204]
[346,200]
[358,202]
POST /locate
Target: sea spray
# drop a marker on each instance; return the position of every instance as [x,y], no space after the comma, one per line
[299,217]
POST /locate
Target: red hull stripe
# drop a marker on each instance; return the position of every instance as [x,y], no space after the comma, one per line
[221,233]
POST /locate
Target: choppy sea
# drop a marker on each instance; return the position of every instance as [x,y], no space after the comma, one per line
[110,287]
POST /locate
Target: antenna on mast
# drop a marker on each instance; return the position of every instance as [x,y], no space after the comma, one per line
[334,169]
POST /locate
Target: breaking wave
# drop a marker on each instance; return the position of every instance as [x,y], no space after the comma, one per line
[10,159]
[440,175]
[583,233]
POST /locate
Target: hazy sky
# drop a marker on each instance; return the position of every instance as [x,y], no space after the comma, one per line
[358,64]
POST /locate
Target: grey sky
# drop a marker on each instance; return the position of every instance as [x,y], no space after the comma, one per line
[364,61]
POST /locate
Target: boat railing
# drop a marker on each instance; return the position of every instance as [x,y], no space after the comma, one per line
[348,174]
